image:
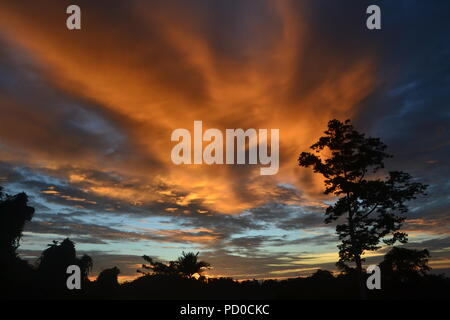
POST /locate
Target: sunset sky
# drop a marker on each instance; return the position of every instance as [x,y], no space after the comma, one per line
[86,118]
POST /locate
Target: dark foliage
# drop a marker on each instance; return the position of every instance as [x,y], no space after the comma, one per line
[185,266]
[371,202]
[14,213]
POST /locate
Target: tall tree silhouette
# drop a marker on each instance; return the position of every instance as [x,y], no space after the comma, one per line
[373,206]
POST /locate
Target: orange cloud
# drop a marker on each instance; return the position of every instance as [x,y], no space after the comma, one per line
[149,76]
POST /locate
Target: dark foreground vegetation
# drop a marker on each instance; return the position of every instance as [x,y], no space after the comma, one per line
[409,281]
[405,274]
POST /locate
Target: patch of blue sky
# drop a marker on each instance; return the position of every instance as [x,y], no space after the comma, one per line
[403,89]
[38,241]
[418,237]
[93,123]
[287,186]
[35,198]
[151,223]
[104,219]
[165,251]
[35,175]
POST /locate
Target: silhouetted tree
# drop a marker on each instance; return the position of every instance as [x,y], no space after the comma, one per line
[322,275]
[15,273]
[107,279]
[345,269]
[347,159]
[158,268]
[185,266]
[53,263]
[14,212]
[405,263]
[188,264]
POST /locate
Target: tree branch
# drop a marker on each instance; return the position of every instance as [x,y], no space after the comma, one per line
[370,211]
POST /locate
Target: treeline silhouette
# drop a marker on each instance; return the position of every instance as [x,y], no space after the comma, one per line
[405,274]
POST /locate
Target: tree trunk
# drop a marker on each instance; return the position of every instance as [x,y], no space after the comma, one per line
[360,279]
[359,271]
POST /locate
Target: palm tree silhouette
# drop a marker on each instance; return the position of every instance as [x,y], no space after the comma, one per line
[188,264]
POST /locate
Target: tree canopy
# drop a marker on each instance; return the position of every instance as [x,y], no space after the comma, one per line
[186,265]
[371,200]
